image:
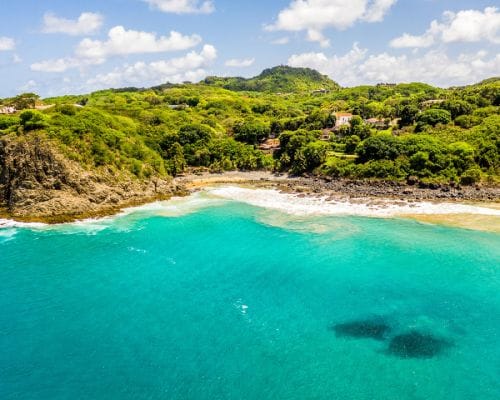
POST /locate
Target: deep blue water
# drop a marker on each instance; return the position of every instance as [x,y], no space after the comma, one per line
[235,302]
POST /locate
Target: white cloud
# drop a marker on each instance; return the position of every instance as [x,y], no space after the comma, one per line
[435,67]
[237,63]
[16,59]
[377,9]
[122,42]
[338,67]
[313,16]
[7,43]
[63,64]
[464,26]
[183,6]
[86,24]
[191,67]
[29,86]
[281,41]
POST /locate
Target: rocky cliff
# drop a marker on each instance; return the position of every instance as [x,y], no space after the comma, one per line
[38,183]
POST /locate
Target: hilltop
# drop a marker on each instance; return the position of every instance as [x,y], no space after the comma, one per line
[281,79]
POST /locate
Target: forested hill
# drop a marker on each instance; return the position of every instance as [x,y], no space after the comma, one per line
[281,79]
[406,132]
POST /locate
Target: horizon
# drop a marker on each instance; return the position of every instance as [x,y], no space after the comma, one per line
[57,48]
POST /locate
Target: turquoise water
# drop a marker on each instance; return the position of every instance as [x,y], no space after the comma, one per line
[236,302]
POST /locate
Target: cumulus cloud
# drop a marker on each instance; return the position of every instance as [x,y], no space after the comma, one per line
[237,63]
[120,42]
[86,24]
[7,43]
[435,67]
[183,6]
[463,26]
[313,16]
[190,67]
[63,64]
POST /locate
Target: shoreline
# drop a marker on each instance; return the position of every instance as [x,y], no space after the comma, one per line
[355,192]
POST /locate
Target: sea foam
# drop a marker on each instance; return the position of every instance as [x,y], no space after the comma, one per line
[308,205]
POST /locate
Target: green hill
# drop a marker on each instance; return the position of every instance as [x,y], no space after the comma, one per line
[278,79]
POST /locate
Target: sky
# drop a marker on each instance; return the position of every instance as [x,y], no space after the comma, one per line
[56,47]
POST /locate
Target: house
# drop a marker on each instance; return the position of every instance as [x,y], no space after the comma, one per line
[430,103]
[270,146]
[342,119]
[377,123]
[7,110]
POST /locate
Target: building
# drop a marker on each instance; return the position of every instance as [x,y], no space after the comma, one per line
[342,119]
[270,146]
[378,123]
[430,103]
[7,110]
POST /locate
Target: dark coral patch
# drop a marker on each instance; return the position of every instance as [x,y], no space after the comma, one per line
[362,329]
[417,345]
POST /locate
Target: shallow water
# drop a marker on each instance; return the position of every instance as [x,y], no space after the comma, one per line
[221,300]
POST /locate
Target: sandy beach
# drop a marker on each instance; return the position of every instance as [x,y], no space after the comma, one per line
[424,205]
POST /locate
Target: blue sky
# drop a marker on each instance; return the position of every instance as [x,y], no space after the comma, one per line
[55,47]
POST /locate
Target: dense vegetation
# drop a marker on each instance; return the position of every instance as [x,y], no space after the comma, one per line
[278,79]
[436,135]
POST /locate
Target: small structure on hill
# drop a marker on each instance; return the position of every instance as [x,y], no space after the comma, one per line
[430,103]
[378,123]
[343,119]
[7,110]
[270,146]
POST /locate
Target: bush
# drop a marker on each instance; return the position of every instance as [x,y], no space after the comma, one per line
[471,176]
[31,120]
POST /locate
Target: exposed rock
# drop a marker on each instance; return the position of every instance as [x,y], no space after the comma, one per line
[37,183]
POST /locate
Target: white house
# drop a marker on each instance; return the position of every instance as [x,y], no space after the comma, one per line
[342,119]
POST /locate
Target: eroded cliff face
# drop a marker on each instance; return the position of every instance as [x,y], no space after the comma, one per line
[37,183]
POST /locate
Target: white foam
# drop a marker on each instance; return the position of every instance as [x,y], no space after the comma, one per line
[295,205]
[8,223]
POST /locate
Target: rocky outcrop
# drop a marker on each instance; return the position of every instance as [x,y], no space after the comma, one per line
[38,183]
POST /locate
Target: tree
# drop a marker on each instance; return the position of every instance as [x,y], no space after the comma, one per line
[432,117]
[251,132]
[351,142]
[24,101]
[194,133]
[457,108]
[408,115]
[315,154]
[381,147]
[176,161]
[31,120]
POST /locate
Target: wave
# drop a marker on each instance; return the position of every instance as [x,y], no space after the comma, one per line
[268,199]
[310,206]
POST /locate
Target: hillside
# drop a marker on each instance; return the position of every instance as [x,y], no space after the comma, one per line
[88,154]
[281,79]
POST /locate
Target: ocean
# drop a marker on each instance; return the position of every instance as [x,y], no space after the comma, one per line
[227,295]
